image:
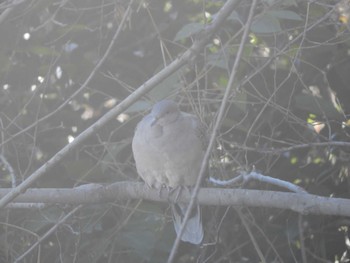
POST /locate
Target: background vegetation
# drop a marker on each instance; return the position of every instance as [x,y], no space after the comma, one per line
[287,117]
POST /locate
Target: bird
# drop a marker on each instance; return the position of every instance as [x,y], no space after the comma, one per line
[168,148]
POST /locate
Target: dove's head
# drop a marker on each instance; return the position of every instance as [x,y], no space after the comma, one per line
[165,112]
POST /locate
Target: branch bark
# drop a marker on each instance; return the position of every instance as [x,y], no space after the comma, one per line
[187,57]
[93,193]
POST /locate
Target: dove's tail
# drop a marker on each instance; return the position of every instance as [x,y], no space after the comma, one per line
[193,232]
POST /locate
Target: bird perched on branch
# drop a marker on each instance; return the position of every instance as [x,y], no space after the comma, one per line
[168,147]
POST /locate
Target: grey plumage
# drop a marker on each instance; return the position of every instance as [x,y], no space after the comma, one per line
[168,148]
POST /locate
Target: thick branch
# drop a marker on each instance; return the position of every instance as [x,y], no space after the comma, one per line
[187,57]
[93,193]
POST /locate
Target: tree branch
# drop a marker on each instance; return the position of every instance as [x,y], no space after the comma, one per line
[94,193]
[226,9]
[187,57]
[246,177]
[48,233]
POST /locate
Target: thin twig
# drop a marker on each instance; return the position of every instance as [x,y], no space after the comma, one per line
[252,238]
[340,144]
[259,177]
[9,9]
[48,233]
[24,185]
[187,57]
[4,161]
[27,206]
[215,129]
[282,51]
[301,237]
[87,81]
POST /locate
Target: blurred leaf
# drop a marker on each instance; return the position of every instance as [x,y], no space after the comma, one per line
[285,14]
[266,24]
[290,3]
[284,2]
[240,101]
[73,28]
[188,30]
[43,51]
[318,106]
[145,231]
[234,16]
[316,11]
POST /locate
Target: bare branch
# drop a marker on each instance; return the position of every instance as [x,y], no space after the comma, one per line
[86,82]
[228,6]
[244,177]
[93,193]
[9,9]
[340,144]
[127,102]
[48,233]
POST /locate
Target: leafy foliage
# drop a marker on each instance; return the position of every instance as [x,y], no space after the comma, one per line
[291,89]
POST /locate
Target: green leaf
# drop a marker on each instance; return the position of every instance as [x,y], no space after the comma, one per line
[234,16]
[188,30]
[43,51]
[318,106]
[266,24]
[283,2]
[145,231]
[285,14]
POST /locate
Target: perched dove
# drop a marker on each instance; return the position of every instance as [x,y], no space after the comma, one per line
[168,148]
